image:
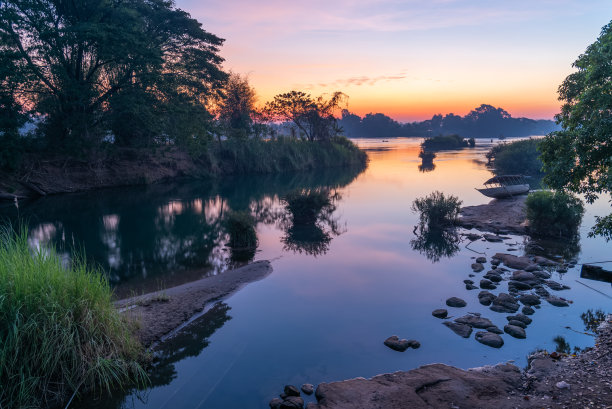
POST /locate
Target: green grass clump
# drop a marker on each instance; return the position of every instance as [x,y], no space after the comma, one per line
[59,331]
[436,210]
[518,157]
[554,214]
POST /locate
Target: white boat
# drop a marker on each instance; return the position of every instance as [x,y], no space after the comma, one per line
[503,186]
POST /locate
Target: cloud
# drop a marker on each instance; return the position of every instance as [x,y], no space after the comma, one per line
[355,81]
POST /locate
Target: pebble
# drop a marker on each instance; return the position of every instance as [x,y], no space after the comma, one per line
[562,385]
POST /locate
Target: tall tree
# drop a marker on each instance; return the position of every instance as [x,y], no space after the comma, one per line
[80,64]
[579,157]
[237,106]
[314,118]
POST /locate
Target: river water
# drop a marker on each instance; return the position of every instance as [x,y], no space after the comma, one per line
[339,287]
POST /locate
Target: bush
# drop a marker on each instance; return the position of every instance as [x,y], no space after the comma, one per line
[437,210]
[518,157]
[554,214]
[59,330]
[241,229]
[441,142]
[306,205]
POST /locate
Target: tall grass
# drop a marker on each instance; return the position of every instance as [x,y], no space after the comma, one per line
[59,331]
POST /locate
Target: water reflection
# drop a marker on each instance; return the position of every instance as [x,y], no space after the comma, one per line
[435,243]
[427,158]
[167,234]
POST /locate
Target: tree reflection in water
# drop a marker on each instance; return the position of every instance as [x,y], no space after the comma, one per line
[427,164]
[591,320]
[435,243]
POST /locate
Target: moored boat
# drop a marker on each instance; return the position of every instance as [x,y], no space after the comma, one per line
[504,186]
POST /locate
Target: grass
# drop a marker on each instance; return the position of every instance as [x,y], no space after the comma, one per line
[60,333]
[436,210]
[554,214]
[518,157]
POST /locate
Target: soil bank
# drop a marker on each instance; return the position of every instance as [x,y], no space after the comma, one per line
[159,313]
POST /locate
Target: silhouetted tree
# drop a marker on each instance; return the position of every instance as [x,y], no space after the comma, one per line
[237,106]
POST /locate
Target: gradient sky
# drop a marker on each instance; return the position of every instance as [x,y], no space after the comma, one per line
[409,59]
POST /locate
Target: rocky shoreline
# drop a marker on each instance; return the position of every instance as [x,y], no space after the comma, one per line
[160,313]
[498,216]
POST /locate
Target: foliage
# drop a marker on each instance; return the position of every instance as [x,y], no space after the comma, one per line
[237,106]
[241,229]
[579,157]
[59,328]
[485,121]
[554,214]
[306,205]
[517,157]
[442,142]
[313,117]
[436,210]
[90,67]
[435,243]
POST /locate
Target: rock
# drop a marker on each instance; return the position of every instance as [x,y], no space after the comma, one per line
[504,303]
[494,330]
[487,284]
[519,286]
[475,321]
[489,339]
[275,403]
[468,282]
[557,301]
[462,330]
[471,287]
[524,276]
[473,236]
[291,390]
[516,332]
[553,285]
[307,388]
[477,267]
[529,299]
[485,297]
[495,262]
[456,302]
[528,310]
[481,260]
[493,239]
[414,344]
[439,313]
[513,261]
[562,385]
[396,344]
[520,317]
[543,275]
[532,268]
[543,261]
[542,292]
[517,323]
[292,402]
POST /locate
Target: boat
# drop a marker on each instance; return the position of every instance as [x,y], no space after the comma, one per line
[504,186]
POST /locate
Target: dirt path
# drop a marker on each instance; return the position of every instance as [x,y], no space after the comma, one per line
[159,313]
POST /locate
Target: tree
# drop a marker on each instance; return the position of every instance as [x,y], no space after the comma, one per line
[579,157]
[91,66]
[237,106]
[313,117]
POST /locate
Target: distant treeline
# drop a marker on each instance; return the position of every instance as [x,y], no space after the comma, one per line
[486,121]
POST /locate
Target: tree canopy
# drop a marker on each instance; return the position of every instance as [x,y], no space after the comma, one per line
[136,68]
[579,157]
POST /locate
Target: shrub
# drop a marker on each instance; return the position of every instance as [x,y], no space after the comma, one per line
[554,214]
[241,229]
[441,142]
[306,205]
[59,330]
[518,157]
[437,210]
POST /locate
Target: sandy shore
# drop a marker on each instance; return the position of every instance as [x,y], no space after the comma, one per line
[582,381]
[159,313]
[498,216]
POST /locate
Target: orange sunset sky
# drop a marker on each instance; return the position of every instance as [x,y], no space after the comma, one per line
[408,59]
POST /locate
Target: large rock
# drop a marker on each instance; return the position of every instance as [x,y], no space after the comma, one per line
[485,297]
[493,276]
[518,286]
[520,275]
[553,285]
[291,390]
[543,261]
[489,339]
[462,330]
[487,285]
[439,313]
[477,267]
[504,303]
[456,302]
[481,260]
[517,323]
[292,402]
[494,330]
[435,386]
[307,388]
[543,275]
[529,299]
[512,261]
[475,321]
[516,332]
[520,317]
[557,301]
[275,403]
[527,310]
[397,344]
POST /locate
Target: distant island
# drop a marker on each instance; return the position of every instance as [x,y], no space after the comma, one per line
[486,121]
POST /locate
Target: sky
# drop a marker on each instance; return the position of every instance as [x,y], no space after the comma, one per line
[408,59]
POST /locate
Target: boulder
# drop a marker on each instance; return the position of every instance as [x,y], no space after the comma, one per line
[481,260]
[275,403]
[487,284]
[513,261]
[528,310]
[517,323]
[543,275]
[439,313]
[473,236]
[462,330]
[307,388]
[489,339]
[557,301]
[543,261]
[485,297]
[468,282]
[529,299]
[516,332]
[520,317]
[477,267]
[504,303]
[291,390]
[553,285]
[456,302]
[541,291]
[519,286]
[475,321]
[471,287]
[292,402]
[525,276]
[397,344]
[494,330]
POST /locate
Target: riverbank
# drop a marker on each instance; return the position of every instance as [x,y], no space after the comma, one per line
[550,381]
[160,313]
[498,216]
[46,175]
